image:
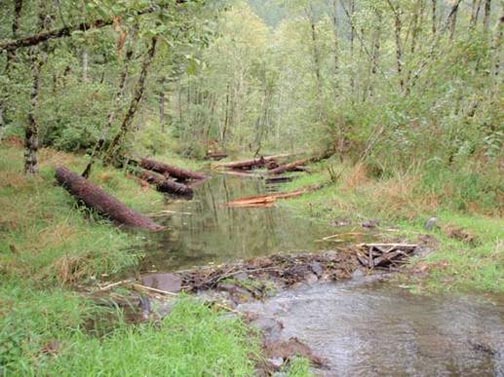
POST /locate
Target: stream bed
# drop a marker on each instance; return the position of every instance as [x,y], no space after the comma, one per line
[362,327]
[366,328]
[204,230]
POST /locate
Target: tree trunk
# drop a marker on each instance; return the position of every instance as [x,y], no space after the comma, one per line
[100,145]
[32,128]
[292,166]
[434,17]
[452,19]
[336,37]
[486,18]
[399,49]
[172,171]
[94,197]
[113,155]
[475,9]
[85,66]
[165,185]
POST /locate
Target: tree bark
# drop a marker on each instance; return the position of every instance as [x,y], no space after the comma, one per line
[67,31]
[94,197]
[166,185]
[172,171]
[475,9]
[399,49]
[32,128]
[434,17]
[486,17]
[113,155]
[100,145]
[292,166]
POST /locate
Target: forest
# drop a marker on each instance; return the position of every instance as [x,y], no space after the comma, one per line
[385,118]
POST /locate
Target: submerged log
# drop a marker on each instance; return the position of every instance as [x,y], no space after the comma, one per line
[280,179]
[94,197]
[266,200]
[165,185]
[172,171]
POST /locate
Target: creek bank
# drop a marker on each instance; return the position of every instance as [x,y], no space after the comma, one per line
[230,286]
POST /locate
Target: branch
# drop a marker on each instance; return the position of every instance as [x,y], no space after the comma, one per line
[66,31]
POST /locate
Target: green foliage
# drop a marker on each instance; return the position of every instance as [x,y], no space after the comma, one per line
[46,328]
[193,340]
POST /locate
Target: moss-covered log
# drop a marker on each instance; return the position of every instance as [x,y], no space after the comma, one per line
[94,197]
[165,185]
[172,171]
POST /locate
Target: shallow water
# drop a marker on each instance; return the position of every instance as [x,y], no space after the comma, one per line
[205,230]
[375,329]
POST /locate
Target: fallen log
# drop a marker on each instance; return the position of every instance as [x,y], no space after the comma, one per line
[292,166]
[252,164]
[216,156]
[275,180]
[94,197]
[266,200]
[165,185]
[172,171]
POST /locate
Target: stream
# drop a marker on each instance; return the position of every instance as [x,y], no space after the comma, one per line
[375,329]
[204,230]
[362,327]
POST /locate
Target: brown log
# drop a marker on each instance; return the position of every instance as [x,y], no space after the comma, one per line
[266,200]
[252,164]
[216,156]
[247,164]
[165,185]
[292,166]
[280,179]
[94,197]
[172,171]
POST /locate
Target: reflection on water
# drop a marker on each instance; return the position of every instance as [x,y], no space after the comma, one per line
[205,230]
[379,330]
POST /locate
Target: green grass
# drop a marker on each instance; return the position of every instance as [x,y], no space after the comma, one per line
[49,246]
[405,201]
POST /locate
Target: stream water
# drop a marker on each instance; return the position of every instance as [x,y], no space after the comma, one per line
[363,328]
[204,230]
[375,329]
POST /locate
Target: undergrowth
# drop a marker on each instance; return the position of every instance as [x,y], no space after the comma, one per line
[464,199]
[49,246]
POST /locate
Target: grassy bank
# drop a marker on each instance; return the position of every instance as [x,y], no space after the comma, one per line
[469,204]
[49,247]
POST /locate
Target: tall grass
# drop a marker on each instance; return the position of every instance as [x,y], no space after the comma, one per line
[49,245]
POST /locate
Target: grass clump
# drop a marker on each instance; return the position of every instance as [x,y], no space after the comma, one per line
[192,341]
[467,199]
[49,245]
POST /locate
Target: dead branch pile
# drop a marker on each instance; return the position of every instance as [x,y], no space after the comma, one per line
[284,270]
[384,255]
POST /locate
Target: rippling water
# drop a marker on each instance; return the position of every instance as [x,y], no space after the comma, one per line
[379,330]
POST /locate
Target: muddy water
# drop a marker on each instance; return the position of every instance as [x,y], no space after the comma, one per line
[205,230]
[374,329]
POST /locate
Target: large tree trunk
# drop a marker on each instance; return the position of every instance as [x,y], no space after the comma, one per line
[292,166]
[94,197]
[100,145]
[113,155]
[165,185]
[172,171]
[32,128]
